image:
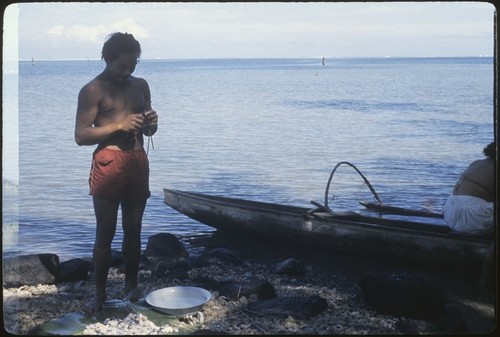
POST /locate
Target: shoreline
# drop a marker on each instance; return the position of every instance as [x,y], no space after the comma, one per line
[333,277]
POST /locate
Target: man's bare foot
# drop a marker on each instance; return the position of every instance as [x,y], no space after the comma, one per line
[134,295]
[93,307]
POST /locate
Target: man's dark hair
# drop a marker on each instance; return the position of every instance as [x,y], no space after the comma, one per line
[119,43]
[489,150]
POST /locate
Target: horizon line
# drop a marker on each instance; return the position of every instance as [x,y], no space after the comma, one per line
[262,58]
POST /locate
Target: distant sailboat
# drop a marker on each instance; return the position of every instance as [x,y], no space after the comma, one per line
[323,61]
[32,61]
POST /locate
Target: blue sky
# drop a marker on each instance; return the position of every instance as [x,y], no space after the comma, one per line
[264,29]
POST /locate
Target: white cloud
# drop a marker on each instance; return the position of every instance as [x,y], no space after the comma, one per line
[264,29]
[56,30]
[96,33]
[130,26]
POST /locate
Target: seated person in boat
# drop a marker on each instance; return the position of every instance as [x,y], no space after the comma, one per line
[469,209]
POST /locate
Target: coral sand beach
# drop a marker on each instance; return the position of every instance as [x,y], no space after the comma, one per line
[329,290]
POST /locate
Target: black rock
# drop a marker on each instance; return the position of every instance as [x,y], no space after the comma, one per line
[291,267]
[173,270]
[165,245]
[30,270]
[402,294]
[297,307]
[73,270]
[223,255]
[236,289]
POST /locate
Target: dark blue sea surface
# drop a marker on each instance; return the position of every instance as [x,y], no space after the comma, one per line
[262,129]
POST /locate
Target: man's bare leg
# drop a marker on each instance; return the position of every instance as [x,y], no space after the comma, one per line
[132,212]
[106,217]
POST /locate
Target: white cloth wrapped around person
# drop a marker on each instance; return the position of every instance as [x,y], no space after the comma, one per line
[468,214]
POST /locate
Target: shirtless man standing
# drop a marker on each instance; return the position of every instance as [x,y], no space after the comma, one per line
[114,111]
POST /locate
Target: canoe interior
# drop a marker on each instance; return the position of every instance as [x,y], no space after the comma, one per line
[400,210]
[414,242]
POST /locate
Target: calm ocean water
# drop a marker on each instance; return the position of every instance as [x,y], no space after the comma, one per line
[262,129]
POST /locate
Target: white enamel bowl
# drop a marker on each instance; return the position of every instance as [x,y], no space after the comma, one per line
[178,301]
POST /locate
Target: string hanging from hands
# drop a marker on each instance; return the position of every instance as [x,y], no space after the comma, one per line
[149,135]
[150,140]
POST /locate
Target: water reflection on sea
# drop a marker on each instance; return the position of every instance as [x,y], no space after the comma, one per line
[267,130]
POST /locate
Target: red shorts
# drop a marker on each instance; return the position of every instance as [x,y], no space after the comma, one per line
[117,175]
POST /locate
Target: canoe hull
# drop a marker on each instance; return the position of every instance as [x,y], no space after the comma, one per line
[348,232]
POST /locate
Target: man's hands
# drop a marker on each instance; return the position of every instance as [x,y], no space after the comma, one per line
[132,123]
[147,122]
[150,122]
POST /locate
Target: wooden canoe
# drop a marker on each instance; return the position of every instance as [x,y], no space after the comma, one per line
[412,242]
[386,209]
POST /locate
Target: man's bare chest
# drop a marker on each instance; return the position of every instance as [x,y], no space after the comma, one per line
[122,102]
